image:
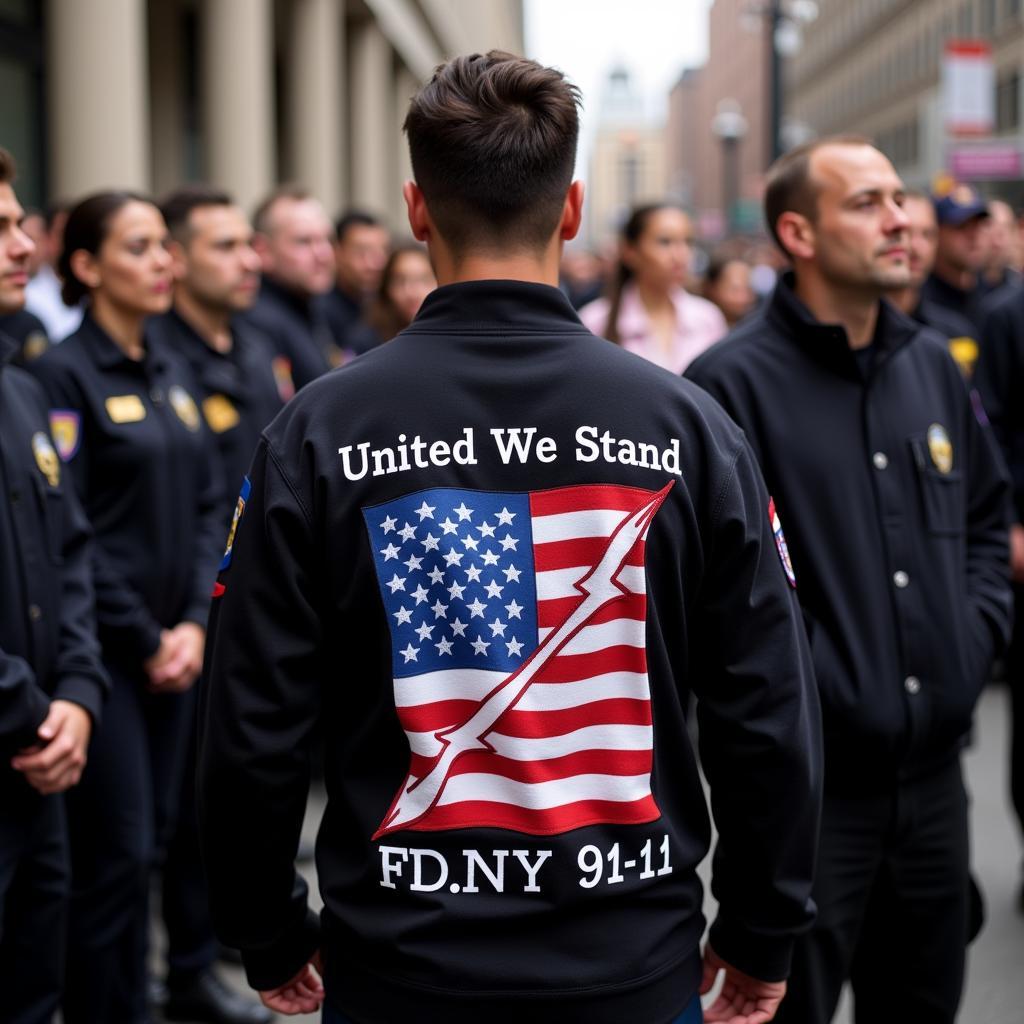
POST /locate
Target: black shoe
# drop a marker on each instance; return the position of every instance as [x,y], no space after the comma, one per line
[206,998]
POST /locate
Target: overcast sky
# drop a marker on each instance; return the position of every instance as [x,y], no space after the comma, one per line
[654,39]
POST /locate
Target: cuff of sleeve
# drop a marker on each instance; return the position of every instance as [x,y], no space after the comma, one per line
[765,957]
[85,692]
[198,611]
[272,966]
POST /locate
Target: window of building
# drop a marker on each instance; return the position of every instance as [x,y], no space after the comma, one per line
[1008,102]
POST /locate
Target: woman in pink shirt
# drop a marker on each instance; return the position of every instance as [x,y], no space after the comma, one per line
[647,310]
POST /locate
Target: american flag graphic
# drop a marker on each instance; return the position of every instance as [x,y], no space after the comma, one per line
[518,626]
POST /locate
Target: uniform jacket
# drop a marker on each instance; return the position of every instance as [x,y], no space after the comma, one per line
[894,502]
[136,445]
[445,538]
[237,392]
[960,334]
[48,646]
[998,380]
[297,329]
[351,333]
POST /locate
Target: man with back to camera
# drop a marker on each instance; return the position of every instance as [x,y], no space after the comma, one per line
[52,683]
[491,560]
[895,505]
[293,239]
[361,245]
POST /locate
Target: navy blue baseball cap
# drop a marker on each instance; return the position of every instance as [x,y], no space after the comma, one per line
[961,204]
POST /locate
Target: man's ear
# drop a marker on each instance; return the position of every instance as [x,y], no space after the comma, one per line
[796,233]
[419,219]
[179,262]
[572,212]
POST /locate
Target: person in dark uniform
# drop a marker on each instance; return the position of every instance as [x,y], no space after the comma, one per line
[134,442]
[28,333]
[960,254]
[894,500]
[52,683]
[216,274]
[922,240]
[293,239]
[405,574]
[361,245]
[1000,383]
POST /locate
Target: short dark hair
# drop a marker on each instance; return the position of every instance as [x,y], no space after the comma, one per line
[177,207]
[354,219]
[8,168]
[493,144]
[261,215]
[789,186]
[87,228]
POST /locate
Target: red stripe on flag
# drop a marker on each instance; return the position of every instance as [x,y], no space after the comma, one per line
[544,822]
[573,668]
[580,551]
[582,498]
[583,762]
[551,614]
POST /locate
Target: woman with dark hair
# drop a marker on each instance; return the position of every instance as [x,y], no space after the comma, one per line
[727,285]
[647,310]
[408,278]
[125,420]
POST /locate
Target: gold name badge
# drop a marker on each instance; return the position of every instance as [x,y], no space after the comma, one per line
[220,413]
[125,409]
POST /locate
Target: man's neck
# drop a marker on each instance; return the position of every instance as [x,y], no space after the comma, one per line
[534,269]
[905,299]
[212,325]
[955,277]
[855,310]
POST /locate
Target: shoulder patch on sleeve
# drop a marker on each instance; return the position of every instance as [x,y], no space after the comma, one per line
[780,542]
[243,498]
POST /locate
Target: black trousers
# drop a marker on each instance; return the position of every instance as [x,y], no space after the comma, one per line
[891,890]
[34,890]
[119,816]
[191,943]
[1015,677]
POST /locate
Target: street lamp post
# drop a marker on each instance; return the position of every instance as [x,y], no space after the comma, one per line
[729,126]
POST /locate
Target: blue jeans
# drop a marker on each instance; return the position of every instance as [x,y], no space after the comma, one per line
[691,1015]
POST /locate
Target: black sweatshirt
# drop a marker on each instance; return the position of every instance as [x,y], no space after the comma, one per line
[895,505]
[440,561]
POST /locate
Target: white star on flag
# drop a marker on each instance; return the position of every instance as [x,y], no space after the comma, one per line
[508,543]
[455,591]
[425,511]
[444,646]
[423,631]
[505,517]
[493,589]
[430,542]
[473,574]
[440,610]
[453,557]
[403,615]
[486,530]
[514,610]
[480,645]
[448,526]
[463,512]
[514,647]
[436,574]
[389,552]
[470,542]
[512,574]
[420,594]
[407,532]
[389,524]
[476,608]
[497,627]
[490,558]
[410,653]
[413,563]
[396,583]
[458,628]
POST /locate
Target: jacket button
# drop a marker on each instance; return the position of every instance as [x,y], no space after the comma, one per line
[35,613]
[880,459]
[912,685]
[901,579]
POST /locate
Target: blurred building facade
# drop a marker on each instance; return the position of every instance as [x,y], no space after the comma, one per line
[875,67]
[242,93]
[736,77]
[627,162]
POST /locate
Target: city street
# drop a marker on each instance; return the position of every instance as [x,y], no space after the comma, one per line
[995,984]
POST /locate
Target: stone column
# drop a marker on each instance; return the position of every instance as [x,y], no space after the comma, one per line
[371,134]
[167,89]
[406,86]
[316,99]
[98,95]
[238,96]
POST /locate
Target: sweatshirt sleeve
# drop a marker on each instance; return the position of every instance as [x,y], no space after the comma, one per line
[760,731]
[259,706]
[23,704]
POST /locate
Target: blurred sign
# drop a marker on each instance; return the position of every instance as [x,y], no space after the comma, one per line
[995,161]
[968,88]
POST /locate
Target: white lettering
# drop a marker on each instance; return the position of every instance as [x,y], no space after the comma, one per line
[590,455]
[523,856]
[462,451]
[364,449]
[418,885]
[388,868]
[474,861]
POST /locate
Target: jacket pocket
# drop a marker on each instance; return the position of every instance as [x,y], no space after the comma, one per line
[941,494]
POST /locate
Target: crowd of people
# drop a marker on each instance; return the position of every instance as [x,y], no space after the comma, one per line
[147,345]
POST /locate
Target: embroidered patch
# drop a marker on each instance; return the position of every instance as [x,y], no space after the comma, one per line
[940,448]
[46,457]
[282,367]
[35,345]
[65,426]
[184,405]
[243,497]
[780,543]
[220,412]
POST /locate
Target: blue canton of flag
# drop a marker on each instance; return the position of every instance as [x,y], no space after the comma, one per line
[456,571]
